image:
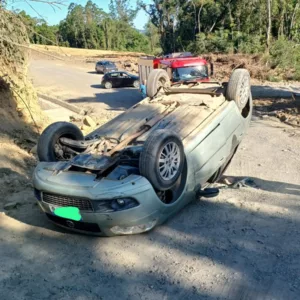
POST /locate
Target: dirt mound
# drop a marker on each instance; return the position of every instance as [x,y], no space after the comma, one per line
[19,108]
[225,63]
[20,114]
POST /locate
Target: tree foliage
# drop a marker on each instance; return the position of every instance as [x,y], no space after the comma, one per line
[91,27]
[223,25]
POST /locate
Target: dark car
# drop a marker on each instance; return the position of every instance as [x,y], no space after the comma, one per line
[105,66]
[119,79]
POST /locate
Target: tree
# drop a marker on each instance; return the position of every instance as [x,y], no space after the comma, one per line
[269,24]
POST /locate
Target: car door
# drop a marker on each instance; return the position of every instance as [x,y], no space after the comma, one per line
[116,79]
[217,143]
[126,79]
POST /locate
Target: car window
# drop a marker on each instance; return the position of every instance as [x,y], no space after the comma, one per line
[114,75]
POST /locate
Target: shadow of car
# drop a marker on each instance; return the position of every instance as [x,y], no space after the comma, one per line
[120,79]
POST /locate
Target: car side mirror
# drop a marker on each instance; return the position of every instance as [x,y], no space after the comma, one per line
[209,192]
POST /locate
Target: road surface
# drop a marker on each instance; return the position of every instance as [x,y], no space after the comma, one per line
[243,244]
[80,85]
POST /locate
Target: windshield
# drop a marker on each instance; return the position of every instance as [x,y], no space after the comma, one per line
[190,73]
[109,64]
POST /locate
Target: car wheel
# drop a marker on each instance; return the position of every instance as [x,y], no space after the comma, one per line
[238,88]
[158,78]
[49,148]
[136,84]
[108,85]
[162,159]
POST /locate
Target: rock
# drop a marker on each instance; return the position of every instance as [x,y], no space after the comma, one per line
[10,205]
[283,118]
[294,122]
[88,121]
[83,112]
[85,128]
[33,150]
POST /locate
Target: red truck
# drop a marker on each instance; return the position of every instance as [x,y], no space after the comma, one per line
[179,67]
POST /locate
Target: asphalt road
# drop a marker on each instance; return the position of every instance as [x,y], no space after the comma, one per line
[80,85]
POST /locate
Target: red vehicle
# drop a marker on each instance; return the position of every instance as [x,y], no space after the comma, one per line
[187,68]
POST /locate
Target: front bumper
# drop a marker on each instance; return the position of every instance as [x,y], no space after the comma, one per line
[150,211]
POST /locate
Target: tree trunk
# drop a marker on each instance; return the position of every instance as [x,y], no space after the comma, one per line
[293,19]
[195,14]
[199,18]
[269,25]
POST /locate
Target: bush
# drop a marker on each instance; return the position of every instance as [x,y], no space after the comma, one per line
[285,55]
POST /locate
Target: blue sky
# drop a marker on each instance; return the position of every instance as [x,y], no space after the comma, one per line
[53,17]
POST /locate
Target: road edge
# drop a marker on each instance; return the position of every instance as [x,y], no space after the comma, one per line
[64,104]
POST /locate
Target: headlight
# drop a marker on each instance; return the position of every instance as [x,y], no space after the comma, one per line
[105,206]
[134,229]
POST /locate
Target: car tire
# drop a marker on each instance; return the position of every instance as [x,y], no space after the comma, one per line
[157,78]
[108,85]
[160,149]
[238,88]
[50,137]
[136,84]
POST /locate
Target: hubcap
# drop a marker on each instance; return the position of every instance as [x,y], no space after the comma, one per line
[169,161]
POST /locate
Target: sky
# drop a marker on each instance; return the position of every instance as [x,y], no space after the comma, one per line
[53,17]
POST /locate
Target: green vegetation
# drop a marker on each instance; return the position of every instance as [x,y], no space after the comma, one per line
[267,27]
[90,27]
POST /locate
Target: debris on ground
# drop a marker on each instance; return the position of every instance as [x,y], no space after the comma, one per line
[88,121]
[11,205]
[235,182]
[286,110]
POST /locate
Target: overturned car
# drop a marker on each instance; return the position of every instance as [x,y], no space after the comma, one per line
[142,167]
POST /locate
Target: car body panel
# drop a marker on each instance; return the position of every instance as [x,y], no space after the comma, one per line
[210,127]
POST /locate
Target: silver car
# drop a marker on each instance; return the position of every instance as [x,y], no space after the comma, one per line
[105,66]
[142,167]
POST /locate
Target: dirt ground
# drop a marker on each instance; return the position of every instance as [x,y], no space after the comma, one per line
[243,244]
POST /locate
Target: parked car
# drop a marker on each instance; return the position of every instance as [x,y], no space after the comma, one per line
[120,79]
[145,165]
[105,66]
